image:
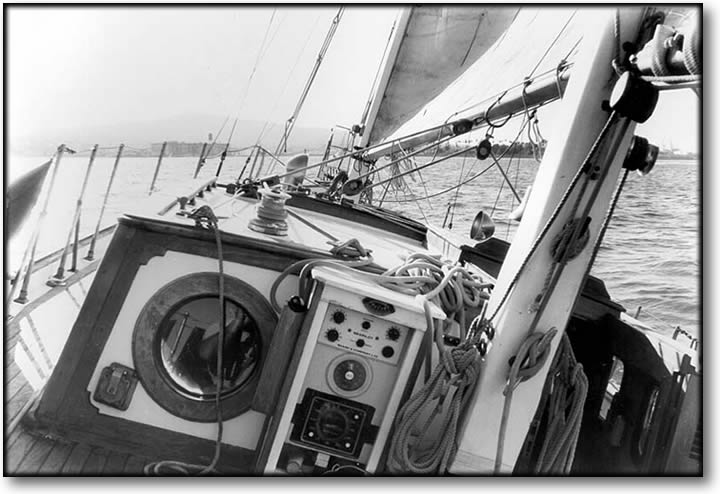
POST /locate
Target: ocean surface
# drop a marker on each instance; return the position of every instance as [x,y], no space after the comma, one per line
[650,257]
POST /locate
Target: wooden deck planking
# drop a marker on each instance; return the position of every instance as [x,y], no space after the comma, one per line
[76,460]
[135,466]
[11,371]
[35,457]
[115,464]
[16,405]
[15,386]
[57,458]
[15,455]
[11,438]
[95,463]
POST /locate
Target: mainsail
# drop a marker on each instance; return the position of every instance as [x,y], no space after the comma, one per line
[433,46]
[484,54]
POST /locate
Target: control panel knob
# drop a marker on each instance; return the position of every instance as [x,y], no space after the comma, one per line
[393,333]
[338,316]
[332,334]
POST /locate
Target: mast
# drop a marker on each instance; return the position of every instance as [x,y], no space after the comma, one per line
[519,316]
[388,64]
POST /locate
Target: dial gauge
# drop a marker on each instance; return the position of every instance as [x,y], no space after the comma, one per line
[349,375]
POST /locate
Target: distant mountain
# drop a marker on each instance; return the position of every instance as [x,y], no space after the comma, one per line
[191,128]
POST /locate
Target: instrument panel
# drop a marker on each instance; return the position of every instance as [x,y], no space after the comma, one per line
[351,372]
[363,334]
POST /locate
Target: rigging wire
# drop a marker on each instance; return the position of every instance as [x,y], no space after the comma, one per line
[457,193]
[243,95]
[557,38]
[261,52]
[468,178]
[373,88]
[290,123]
[287,82]
[551,219]
[512,199]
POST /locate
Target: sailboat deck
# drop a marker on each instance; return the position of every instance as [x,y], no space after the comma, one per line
[37,331]
[29,453]
[33,341]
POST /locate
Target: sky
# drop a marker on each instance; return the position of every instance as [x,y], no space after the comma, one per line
[68,67]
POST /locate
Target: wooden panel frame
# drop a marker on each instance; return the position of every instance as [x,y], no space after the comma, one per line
[65,408]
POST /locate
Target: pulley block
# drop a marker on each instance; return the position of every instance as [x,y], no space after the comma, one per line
[352,187]
[461,126]
[633,97]
[483,149]
[641,156]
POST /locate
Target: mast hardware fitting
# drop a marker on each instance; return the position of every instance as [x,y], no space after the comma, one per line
[633,97]
[484,148]
[462,126]
[641,156]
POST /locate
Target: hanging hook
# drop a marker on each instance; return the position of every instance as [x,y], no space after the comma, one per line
[489,109]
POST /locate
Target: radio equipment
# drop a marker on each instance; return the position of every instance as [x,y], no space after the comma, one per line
[356,357]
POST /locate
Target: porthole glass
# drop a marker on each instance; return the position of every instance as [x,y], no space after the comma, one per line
[175,345]
[187,345]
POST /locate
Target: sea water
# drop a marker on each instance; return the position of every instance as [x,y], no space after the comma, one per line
[649,258]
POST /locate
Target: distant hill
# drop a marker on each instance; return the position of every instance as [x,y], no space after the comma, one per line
[190,128]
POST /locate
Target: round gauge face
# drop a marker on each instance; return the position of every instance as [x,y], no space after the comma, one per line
[332,423]
[349,376]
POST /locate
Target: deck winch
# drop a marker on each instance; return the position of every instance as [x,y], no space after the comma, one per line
[271,212]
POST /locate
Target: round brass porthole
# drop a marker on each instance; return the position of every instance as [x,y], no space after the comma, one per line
[175,346]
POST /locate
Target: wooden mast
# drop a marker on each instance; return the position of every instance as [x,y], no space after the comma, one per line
[591,83]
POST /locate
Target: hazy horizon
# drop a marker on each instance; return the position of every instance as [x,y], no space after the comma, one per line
[72,68]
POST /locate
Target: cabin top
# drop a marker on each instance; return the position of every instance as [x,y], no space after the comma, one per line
[312,224]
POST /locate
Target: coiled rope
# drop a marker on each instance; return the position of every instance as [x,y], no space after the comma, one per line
[416,446]
[568,387]
[425,436]
[450,286]
[350,254]
[531,356]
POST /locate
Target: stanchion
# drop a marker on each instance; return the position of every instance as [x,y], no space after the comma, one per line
[59,277]
[91,251]
[201,160]
[157,168]
[22,296]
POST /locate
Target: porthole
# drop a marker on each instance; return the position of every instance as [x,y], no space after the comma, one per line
[175,346]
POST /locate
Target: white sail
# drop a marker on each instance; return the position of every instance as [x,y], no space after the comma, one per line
[436,45]
[517,52]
